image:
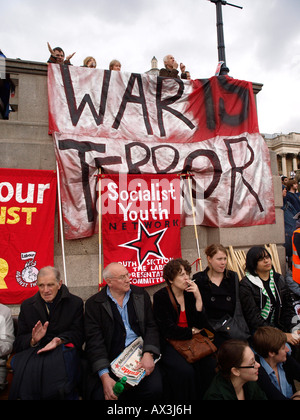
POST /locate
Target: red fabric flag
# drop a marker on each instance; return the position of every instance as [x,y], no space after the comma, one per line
[141,224]
[27,208]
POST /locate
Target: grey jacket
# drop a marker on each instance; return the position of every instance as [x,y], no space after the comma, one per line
[105,332]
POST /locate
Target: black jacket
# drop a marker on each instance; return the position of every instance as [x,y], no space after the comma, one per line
[253,301]
[105,331]
[65,320]
[218,301]
[223,306]
[292,372]
[167,318]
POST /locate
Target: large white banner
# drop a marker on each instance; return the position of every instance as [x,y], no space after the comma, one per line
[132,123]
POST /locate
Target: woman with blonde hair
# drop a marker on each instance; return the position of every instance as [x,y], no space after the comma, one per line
[219,288]
[90,62]
[115,65]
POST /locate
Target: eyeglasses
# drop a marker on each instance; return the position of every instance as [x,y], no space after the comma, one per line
[248,367]
[122,276]
[266,257]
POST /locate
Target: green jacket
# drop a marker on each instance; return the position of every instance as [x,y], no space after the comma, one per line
[222,389]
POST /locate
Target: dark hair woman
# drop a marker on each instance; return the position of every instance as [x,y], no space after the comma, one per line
[238,374]
[184,381]
[265,298]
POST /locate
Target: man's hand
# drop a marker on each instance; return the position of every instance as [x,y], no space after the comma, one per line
[108,384]
[146,363]
[70,56]
[50,49]
[51,346]
[38,332]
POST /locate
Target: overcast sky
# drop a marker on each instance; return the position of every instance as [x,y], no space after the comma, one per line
[262,41]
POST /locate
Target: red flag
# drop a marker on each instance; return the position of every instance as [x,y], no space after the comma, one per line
[141,224]
[27,208]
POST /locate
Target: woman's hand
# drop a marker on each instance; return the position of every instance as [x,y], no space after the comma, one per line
[193,288]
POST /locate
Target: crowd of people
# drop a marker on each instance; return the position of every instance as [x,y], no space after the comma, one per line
[63,350]
[291,209]
[57,56]
[170,70]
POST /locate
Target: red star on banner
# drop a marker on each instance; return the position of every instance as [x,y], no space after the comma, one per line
[146,244]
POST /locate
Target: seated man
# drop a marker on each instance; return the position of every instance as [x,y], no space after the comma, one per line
[49,339]
[6,342]
[278,369]
[114,318]
[170,69]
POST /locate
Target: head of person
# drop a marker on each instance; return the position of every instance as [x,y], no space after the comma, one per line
[117,278]
[90,62]
[188,75]
[270,343]
[49,283]
[292,185]
[284,179]
[258,260]
[115,65]
[177,272]
[216,255]
[59,55]
[169,61]
[236,361]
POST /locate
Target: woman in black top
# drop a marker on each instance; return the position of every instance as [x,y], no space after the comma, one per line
[265,298]
[219,289]
[184,381]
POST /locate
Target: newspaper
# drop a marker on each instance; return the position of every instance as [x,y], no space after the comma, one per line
[125,364]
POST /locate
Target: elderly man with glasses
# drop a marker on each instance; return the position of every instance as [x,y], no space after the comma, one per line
[115,317]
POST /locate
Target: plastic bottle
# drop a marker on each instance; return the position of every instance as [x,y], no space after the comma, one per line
[119,386]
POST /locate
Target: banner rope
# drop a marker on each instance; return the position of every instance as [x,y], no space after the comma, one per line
[199,263]
[100,227]
[61,225]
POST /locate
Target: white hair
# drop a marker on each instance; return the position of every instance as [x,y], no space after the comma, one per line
[107,272]
[44,271]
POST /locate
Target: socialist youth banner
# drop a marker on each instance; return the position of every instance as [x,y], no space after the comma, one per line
[140,123]
[141,223]
[27,208]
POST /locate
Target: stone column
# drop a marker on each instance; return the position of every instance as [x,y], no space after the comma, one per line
[295,163]
[284,167]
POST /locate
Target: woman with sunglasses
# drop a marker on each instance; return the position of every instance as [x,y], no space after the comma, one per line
[237,374]
[265,297]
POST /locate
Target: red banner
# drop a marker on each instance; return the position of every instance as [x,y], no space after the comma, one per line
[27,208]
[141,223]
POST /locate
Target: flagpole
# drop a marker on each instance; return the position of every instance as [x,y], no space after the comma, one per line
[61,225]
[100,227]
[194,218]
